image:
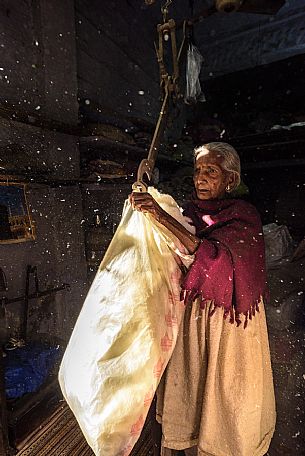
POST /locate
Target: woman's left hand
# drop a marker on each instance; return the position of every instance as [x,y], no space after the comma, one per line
[144,202]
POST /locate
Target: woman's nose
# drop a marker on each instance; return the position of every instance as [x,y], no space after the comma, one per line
[202,175]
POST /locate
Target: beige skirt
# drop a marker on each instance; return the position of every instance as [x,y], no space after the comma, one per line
[217,392]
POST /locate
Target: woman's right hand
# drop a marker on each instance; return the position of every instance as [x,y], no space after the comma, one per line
[144,202]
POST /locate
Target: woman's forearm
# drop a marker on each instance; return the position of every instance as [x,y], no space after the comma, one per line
[189,240]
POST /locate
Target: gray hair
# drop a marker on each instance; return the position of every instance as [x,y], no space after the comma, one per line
[231,161]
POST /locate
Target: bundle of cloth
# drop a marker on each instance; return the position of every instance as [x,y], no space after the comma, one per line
[126,331]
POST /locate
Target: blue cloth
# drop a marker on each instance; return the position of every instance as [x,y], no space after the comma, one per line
[26,368]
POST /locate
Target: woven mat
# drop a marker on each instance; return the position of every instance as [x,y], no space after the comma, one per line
[60,435]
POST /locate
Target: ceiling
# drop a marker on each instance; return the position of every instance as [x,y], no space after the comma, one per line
[231,42]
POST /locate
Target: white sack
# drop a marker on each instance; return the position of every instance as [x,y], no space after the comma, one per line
[126,331]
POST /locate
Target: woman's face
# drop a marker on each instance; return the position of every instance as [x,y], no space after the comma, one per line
[210,178]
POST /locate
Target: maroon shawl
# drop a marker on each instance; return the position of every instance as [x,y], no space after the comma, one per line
[229,265]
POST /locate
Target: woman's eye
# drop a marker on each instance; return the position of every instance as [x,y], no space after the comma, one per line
[212,170]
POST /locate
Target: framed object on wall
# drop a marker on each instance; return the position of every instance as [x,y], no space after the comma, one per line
[16,224]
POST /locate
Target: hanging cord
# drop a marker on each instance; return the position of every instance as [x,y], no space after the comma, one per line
[190,34]
[164,9]
[183,40]
[191,5]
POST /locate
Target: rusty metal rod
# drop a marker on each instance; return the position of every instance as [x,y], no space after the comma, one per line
[36,295]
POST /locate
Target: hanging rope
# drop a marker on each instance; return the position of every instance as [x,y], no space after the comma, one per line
[164,9]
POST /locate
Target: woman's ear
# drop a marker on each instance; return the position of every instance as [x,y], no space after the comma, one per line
[232,180]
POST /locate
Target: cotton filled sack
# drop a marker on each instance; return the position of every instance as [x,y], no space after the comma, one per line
[126,331]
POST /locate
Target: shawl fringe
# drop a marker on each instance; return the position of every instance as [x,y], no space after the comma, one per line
[189,296]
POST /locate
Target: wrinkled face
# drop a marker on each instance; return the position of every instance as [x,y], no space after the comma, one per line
[210,178]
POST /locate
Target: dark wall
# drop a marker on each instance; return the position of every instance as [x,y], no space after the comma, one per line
[38,58]
[38,84]
[55,57]
[117,68]
[252,101]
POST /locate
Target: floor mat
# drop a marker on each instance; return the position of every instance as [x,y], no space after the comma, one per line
[60,435]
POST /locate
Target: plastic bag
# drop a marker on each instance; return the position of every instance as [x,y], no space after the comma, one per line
[193,89]
[126,331]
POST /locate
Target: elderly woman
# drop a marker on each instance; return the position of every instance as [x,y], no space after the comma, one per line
[217,397]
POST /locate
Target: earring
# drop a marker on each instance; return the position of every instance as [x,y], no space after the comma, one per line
[228,188]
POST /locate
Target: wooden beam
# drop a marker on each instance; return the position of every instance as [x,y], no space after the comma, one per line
[9,112]
[261,6]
